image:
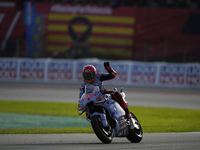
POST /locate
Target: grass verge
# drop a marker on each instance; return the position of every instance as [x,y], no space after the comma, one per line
[151,119]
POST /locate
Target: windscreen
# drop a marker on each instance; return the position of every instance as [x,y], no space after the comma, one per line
[89,88]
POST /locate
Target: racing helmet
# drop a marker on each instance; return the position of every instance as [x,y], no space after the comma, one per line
[89,73]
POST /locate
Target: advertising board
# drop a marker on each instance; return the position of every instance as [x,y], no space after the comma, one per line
[31,70]
[60,71]
[122,70]
[8,69]
[193,75]
[143,74]
[171,74]
[128,73]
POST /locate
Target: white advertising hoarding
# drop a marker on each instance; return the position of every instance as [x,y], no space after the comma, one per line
[128,73]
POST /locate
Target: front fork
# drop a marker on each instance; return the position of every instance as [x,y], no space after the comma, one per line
[103,118]
[99,111]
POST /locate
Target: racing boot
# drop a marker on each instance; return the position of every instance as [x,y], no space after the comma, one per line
[129,118]
[118,97]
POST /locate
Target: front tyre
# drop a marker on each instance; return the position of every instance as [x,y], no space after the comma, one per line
[104,134]
[135,135]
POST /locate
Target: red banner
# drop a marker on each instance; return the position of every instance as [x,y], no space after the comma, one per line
[105,30]
[74,31]
[150,34]
[163,34]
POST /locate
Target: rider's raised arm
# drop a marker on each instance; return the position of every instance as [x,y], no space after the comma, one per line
[111,73]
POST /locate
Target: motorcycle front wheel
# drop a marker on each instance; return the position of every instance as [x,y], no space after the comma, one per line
[104,134]
[135,135]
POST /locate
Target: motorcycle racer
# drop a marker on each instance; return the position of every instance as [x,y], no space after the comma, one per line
[91,76]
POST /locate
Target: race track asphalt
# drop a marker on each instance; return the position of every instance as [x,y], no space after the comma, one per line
[151,141]
[136,96]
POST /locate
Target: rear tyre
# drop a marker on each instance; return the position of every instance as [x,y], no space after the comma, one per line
[135,135]
[104,134]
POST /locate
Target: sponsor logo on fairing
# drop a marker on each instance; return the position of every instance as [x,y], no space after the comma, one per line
[171,75]
[8,69]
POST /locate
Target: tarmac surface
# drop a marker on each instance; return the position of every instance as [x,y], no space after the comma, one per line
[136,96]
[150,141]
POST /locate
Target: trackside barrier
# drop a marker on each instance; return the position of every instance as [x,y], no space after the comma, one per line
[129,72]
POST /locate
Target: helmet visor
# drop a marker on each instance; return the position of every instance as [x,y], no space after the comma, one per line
[88,75]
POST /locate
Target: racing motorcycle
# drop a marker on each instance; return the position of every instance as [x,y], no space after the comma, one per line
[107,117]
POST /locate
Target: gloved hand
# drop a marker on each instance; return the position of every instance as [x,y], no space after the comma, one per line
[107,66]
[109,69]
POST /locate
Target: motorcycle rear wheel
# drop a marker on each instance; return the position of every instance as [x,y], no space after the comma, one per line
[104,134]
[135,135]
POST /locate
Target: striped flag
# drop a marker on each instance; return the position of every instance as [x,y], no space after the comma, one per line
[110,34]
